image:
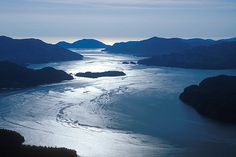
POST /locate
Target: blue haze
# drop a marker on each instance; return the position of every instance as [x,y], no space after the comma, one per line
[118,19]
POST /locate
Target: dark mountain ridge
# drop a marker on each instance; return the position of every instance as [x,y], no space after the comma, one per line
[33,51]
[157,46]
[217,56]
[16,76]
[84,43]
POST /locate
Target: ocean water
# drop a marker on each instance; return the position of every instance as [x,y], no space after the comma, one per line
[137,115]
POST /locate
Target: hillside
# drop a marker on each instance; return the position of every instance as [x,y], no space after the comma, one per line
[157,46]
[216,56]
[85,43]
[214,97]
[31,51]
[16,76]
[11,145]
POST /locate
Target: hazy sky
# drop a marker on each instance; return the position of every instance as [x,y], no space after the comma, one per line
[110,20]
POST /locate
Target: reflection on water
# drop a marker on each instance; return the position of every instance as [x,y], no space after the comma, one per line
[134,115]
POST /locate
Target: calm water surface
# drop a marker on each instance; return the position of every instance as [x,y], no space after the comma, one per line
[135,115]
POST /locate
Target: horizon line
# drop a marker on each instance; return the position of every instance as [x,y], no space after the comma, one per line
[109,40]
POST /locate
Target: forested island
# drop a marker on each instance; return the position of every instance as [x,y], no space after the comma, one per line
[214,97]
[101,74]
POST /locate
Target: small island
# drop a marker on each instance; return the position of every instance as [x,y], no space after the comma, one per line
[101,74]
[11,145]
[126,62]
[16,76]
[214,97]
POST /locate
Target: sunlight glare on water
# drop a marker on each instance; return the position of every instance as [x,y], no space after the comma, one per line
[134,115]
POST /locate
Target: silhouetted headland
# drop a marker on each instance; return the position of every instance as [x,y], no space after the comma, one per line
[157,46]
[33,51]
[11,145]
[214,97]
[17,76]
[217,56]
[184,53]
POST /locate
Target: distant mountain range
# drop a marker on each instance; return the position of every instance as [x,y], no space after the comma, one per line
[173,52]
[157,46]
[85,43]
[28,51]
[217,56]
[229,40]
[186,53]
[16,76]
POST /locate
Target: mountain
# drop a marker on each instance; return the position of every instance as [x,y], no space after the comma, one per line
[85,43]
[16,76]
[199,42]
[217,56]
[228,40]
[214,97]
[157,46]
[27,51]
